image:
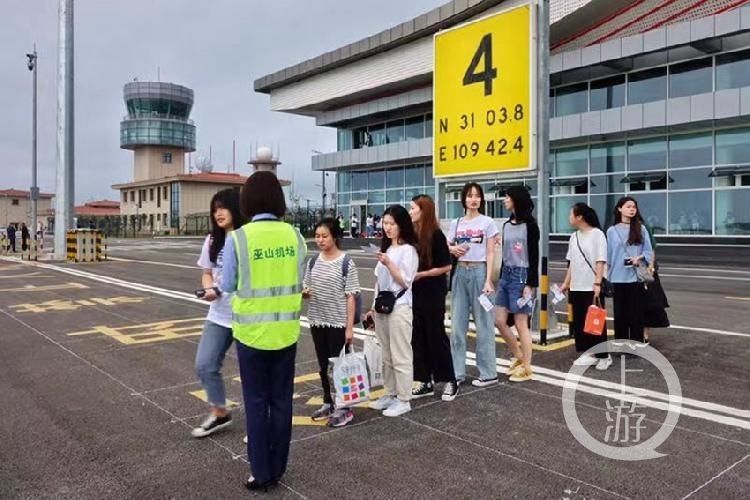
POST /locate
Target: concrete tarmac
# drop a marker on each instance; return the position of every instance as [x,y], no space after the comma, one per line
[99,396]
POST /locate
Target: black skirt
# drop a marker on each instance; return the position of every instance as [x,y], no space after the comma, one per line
[656,303]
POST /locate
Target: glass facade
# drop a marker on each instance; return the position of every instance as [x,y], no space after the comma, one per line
[157,132]
[390,132]
[699,76]
[677,179]
[372,191]
[175,205]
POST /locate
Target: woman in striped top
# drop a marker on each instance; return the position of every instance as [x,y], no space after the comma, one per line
[330,285]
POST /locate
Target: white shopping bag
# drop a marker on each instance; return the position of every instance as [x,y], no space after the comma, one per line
[374,356]
[350,379]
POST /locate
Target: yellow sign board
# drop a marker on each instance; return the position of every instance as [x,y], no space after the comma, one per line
[483,112]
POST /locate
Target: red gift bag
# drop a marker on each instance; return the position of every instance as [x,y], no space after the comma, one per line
[596,319]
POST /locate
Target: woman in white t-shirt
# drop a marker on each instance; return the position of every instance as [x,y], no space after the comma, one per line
[217,330]
[472,239]
[397,266]
[587,259]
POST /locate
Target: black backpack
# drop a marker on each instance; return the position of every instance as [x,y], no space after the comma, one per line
[344,272]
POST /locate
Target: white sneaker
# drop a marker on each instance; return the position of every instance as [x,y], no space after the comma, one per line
[383,403]
[397,408]
[604,363]
[585,360]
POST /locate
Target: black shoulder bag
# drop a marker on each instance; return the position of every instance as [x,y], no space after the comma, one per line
[385,302]
[607,288]
[454,259]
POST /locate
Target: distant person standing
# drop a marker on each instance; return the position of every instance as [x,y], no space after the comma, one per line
[24,237]
[355,226]
[12,237]
[370,228]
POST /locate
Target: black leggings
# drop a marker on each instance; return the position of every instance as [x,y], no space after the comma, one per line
[328,344]
[629,304]
[579,303]
[429,342]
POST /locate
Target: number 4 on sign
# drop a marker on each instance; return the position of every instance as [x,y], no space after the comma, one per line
[484,51]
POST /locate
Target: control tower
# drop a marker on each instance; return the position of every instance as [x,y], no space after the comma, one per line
[157,128]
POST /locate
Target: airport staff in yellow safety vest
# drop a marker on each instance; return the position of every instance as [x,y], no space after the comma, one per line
[264,265]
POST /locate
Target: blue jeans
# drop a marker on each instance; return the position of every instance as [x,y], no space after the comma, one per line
[212,349]
[468,282]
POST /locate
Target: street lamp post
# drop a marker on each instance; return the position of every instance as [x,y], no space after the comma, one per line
[31,64]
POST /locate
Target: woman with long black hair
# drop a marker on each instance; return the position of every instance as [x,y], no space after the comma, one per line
[628,245]
[430,343]
[587,259]
[519,278]
[397,266]
[217,330]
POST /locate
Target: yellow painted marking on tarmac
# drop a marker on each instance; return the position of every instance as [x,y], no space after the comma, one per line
[302,378]
[317,400]
[543,348]
[45,288]
[201,394]
[738,298]
[59,305]
[297,420]
[150,332]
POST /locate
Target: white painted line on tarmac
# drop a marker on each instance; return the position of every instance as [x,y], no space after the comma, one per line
[155,263]
[586,384]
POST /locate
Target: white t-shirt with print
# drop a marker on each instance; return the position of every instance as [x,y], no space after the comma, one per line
[594,245]
[475,232]
[406,259]
[220,311]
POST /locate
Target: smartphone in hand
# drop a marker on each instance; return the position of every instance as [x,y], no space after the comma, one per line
[368,323]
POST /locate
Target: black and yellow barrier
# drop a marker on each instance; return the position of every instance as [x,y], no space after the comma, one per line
[86,245]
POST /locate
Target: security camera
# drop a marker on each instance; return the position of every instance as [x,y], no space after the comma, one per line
[31,62]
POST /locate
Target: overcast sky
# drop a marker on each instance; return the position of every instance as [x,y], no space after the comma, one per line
[216,47]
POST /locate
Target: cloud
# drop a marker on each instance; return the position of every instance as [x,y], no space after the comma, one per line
[217,48]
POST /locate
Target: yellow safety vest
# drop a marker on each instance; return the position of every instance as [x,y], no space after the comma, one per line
[267,305]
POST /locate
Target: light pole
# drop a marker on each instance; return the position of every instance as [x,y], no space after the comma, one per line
[322,185]
[31,64]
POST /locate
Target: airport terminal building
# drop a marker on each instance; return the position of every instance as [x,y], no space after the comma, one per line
[648,97]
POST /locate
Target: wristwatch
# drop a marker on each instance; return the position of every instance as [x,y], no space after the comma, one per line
[217,291]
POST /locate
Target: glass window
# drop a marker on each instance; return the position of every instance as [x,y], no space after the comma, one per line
[132,196]
[151,194]
[732,215]
[343,198]
[376,179]
[572,99]
[647,86]
[603,184]
[414,176]
[691,78]
[653,208]
[165,192]
[561,212]
[377,135]
[394,177]
[344,139]
[733,70]
[690,213]
[647,154]
[430,191]
[605,208]
[606,158]
[414,128]
[360,138]
[690,150]
[571,162]
[344,181]
[376,196]
[394,196]
[411,193]
[428,125]
[395,131]
[733,146]
[608,93]
[454,210]
[166,157]
[693,178]
[359,181]
[376,209]
[429,180]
